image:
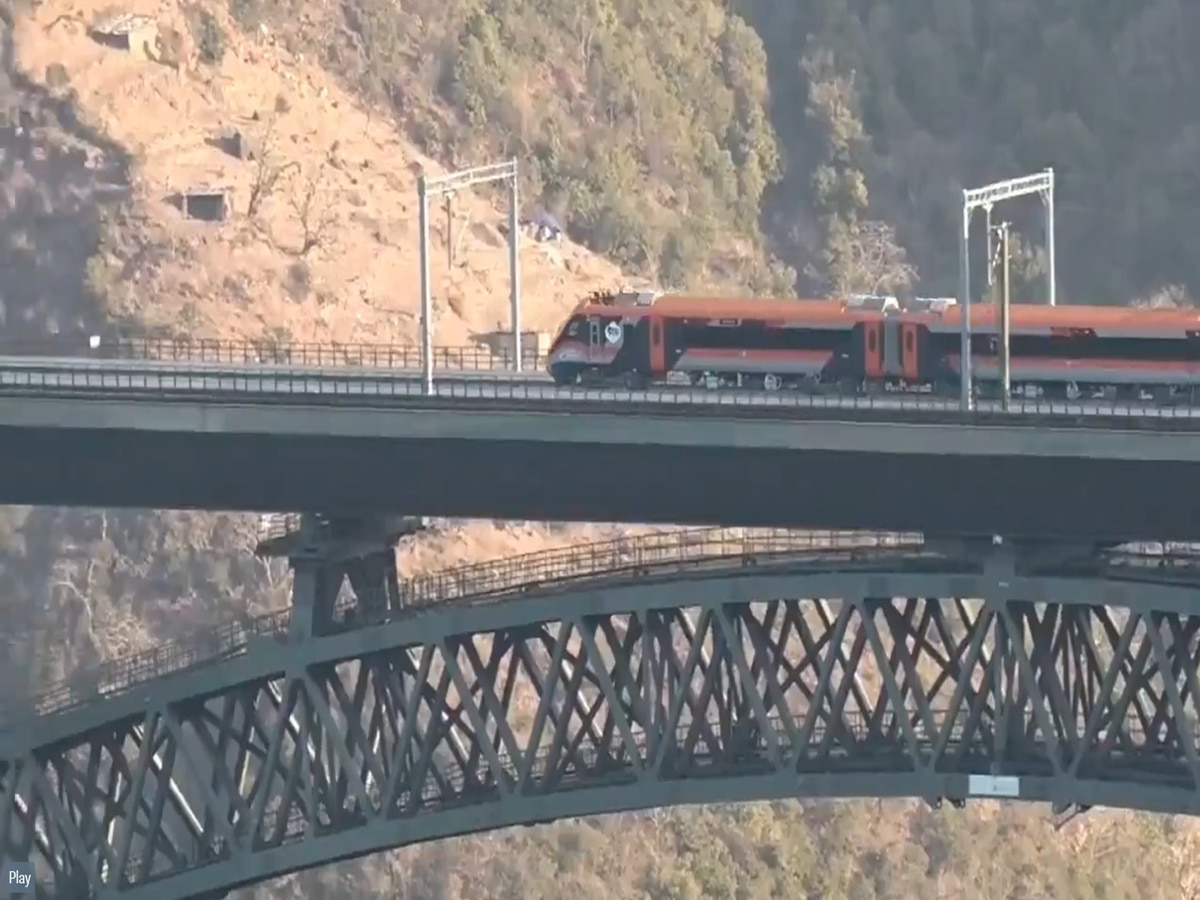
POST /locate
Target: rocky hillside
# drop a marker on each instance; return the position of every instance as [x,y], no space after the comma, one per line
[785,851]
[746,146]
[96,141]
[321,239]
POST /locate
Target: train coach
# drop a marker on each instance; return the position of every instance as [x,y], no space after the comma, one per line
[869,344]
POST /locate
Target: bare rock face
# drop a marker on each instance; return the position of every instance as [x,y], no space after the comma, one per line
[59,181]
[6,53]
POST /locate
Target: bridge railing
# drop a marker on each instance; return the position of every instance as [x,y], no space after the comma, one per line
[662,551]
[273,526]
[274,356]
[675,549]
[472,358]
[473,376]
[119,674]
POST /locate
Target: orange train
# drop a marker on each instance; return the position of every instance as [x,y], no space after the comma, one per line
[867,344]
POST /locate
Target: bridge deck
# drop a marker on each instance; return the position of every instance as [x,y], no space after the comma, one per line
[570,460]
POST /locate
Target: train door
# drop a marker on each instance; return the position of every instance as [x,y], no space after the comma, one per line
[892,360]
[910,357]
[595,340]
[873,349]
[658,349]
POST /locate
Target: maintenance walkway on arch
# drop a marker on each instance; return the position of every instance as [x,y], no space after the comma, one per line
[694,666]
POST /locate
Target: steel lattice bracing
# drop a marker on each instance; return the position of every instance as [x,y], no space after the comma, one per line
[675,679]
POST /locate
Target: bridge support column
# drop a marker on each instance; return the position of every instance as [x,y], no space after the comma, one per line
[1000,573]
[330,554]
[655,679]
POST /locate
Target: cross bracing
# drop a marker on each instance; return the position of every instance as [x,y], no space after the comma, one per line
[828,668]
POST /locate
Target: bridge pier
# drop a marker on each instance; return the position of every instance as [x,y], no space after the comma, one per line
[330,554]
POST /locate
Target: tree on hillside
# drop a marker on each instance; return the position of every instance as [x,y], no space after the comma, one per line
[862,257]
[1172,296]
[309,200]
[857,254]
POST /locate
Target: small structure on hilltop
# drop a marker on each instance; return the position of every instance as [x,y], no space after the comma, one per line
[236,143]
[544,227]
[204,204]
[126,31]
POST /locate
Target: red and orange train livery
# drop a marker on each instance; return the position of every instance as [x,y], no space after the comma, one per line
[865,344]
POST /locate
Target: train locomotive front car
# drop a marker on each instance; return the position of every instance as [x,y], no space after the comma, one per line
[641,338]
[605,340]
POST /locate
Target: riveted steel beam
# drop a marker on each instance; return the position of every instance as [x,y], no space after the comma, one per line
[573,692]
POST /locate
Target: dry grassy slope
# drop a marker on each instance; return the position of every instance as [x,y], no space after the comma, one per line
[237,279]
[242,278]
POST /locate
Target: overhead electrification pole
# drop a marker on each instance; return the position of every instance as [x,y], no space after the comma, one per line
[985,198]
[449,230]
[1005,319]
[447,186]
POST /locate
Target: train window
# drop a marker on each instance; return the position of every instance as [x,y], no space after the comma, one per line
[573,328]
[656,333]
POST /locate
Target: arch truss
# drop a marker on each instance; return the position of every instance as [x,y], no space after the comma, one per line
[826,673]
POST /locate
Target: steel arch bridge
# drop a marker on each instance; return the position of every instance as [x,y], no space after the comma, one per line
[692,667]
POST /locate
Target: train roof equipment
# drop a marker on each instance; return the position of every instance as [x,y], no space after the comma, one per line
[883,303]
[929,304]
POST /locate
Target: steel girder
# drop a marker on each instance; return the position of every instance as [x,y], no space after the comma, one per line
[620,693]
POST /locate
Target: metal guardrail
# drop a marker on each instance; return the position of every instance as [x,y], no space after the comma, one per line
[675,550]
[662,552]
[496,390]
[471,358]
[274,367]
[273,526]
[119,675]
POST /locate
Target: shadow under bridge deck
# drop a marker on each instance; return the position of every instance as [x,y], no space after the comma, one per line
[688,667]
